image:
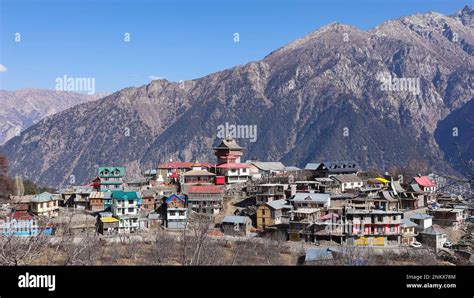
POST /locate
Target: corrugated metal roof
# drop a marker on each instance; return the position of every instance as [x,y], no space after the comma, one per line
[424,181]
[278,204]
[108,219]
[236,219]
[315,197]
[44,197]
[406,223]
[420,216]
[346,178]
[269,165]
[312,166]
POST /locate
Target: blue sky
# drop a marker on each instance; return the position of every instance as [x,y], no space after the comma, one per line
[176,40]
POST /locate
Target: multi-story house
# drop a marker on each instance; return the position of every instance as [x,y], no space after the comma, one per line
[408,232]
[19,224]
[45,204]
[108,225]
[198,175]
[228,166]
[148,200]
[425,184]
[448,217]
[176,211]
[96,200]
[373,227]
[270,192]
[111,178]
[125,209]
[263,169]
[236,225]
[326,169]
[347,181]
[205,198]
[172,170]
[273,213]
[422,220]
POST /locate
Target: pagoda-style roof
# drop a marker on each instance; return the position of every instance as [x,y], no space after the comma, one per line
[228,144]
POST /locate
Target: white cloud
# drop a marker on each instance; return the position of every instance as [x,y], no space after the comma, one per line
[3,68]
[155,78]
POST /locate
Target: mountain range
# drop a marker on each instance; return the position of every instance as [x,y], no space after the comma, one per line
[320,97]
[24,108]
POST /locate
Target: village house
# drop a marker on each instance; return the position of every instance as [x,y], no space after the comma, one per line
[171,171]
[45,204]
[347,181]
[306,210]
[198,175]
[448,217]
[111,178]
[125,209]
[327,185]
[408,232]
[233,225]
[422,220]
[427,187]
[326,169]
[270,192]
[97,200]
[341,200]
[273,213]
[228,168]
[425,184]
[413,198]
[307,186]
[310,200]
[19,224]
[148,200]
[81,196]
[433,236]
[176,210]
[373,227]
[108,225]
[263,169]
[205,199]
[329,227]
[20,203]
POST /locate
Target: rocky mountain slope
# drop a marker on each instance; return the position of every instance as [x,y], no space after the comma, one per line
[320,97]
[23,108]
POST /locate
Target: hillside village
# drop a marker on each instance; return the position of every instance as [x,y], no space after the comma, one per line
[324,207]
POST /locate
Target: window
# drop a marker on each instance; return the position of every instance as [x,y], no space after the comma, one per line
[172,213]
[130,202]
[181,213]
[130,209]
[392,229]
[263,211]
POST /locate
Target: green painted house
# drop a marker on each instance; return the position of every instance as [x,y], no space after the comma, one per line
[111,178]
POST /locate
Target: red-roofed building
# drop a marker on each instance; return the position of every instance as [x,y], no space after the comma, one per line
[205,198]
[228,155]
[425,184]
